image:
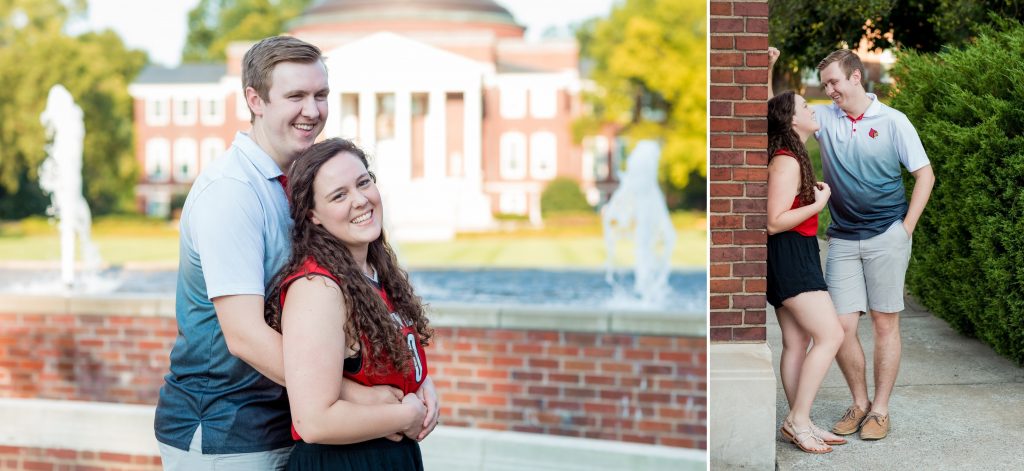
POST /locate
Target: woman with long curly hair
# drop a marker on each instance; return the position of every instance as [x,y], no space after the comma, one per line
[796,286]
[345,307]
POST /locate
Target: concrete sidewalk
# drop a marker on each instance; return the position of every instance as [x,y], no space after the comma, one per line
[957,404]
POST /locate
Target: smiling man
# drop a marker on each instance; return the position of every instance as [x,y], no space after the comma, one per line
[222,404]
[864,143]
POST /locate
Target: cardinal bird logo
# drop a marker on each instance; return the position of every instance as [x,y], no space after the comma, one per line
[872,133]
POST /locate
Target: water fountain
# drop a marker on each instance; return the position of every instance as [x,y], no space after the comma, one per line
[637,212]
[60,175]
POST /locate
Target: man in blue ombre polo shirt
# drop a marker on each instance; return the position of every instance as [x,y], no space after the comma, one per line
[222,405]
[864,146]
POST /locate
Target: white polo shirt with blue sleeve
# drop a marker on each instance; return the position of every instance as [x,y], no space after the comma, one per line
[861,159]
[235,228]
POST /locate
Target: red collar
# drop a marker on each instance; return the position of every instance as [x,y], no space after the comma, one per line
[852,119]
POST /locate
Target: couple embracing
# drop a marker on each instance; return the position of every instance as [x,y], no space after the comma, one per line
[863,145]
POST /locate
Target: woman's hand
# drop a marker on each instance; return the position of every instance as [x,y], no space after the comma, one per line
[773,56]
[419,412]
[821,194]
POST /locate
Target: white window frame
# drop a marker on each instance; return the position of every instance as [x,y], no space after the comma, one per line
[543,155]
[158,155]
[512,101]
[185,152]
[512,156]
[211,110]
[543,102]
[184,115]
[210,149]
[512,202]
[155,118]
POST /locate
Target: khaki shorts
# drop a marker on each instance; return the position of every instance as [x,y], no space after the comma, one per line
[863,274]
[194,460]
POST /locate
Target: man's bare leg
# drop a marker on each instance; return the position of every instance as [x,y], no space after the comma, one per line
[850,359]
[888,349]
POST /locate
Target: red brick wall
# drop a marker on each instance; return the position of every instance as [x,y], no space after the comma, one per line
[738,170]
[646,389]
[631,388]
[39,459]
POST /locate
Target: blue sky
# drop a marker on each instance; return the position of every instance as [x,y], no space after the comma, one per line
[159,26]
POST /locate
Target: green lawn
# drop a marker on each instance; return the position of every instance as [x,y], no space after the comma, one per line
[567,242]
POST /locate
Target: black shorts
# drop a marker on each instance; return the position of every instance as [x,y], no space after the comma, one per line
[371,455]
[794,266]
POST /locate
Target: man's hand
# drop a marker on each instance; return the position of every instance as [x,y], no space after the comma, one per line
[352,391]
[909,229]
[773,56]
[428,394]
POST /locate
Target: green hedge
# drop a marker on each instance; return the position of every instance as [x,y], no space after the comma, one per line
[563,195]
[968,259]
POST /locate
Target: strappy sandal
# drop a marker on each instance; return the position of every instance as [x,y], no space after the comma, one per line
[820,433]
[799,437]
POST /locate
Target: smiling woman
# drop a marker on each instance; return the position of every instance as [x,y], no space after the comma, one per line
[346,309]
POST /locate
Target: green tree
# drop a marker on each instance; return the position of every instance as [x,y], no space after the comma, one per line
[648,62]
[807,30]
[213,24]
[36,54]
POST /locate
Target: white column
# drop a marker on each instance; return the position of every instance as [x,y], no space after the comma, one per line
[472,127]
[368,121]
[332,125]
[435,137]
[403,136]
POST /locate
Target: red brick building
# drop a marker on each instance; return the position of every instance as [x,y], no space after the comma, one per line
[449,99]
[742,381]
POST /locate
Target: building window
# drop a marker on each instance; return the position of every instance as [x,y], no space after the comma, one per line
[158,111]
[186,164]
[211,111]
[512,102]
[601,162]
[158,160]
[158,204]
[512,202]
[184,111]
[543,102]
[211,148]
[241,107]
[349,115]
[543,155]
[513,156]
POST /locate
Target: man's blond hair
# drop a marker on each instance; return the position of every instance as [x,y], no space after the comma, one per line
[848,62]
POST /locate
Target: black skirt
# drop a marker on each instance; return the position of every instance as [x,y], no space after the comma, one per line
[371,455]
[794,266]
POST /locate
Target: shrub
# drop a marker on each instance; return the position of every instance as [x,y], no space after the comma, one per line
[563,195]
[968,258]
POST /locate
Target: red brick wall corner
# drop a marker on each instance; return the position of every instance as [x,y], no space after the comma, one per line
[738,170]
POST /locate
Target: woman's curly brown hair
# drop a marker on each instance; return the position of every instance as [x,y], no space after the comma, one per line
[781,136]
[368,316]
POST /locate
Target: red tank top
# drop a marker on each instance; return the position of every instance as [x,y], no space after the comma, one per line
[809,227]
[409,382]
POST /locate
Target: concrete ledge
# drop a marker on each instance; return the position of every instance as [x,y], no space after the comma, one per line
[742,412]
[128,429]
[526,317]
[79,426]
[459,449]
